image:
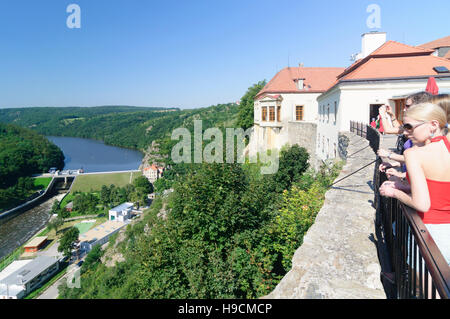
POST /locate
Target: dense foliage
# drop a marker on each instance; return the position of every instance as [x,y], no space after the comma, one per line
[246,106]
[88,203]
[23,153]
[223,233]
[130,127]
[67,240]
[226,231]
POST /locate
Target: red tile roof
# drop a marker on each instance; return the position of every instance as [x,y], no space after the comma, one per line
[389,49]
[391,60]
[316,80]
[394,67]
[394,48]
[395,60]
[152,167]
[439,43]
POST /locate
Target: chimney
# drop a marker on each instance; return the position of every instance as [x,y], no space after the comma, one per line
[371,41]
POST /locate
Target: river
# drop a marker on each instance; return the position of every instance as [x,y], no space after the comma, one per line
[18,229]
[92,156]
[95,156]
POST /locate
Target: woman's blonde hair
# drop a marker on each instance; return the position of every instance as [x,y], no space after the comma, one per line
[430,112]
[442,100]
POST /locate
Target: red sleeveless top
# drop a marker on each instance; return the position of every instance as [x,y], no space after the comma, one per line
[439,212]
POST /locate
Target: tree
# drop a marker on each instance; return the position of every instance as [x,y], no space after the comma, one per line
[92,258]
[246,107]
[85,203]
[56,224]
[63,213]
[293,163]
[55,207]
[143,182]
[66,242]
[105,195]
[161,184]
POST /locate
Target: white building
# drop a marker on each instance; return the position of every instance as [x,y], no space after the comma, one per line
[385,76]
[311,106]
[22,277]
[99,235]
[153,172]
[285,110]
[121,213]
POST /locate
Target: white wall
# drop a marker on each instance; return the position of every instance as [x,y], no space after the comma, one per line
[328,126]
[354,100]
[288,104]
[267,135]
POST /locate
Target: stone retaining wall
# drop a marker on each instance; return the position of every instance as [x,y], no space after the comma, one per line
[338,258]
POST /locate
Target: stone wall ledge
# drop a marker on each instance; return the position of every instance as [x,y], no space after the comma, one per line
[338,258]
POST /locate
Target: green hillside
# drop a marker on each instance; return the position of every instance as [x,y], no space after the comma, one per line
[23,153]
[124,126]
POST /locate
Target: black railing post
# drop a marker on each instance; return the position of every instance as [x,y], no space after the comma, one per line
[420,270]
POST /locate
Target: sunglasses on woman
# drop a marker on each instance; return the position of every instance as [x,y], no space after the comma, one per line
[410,127]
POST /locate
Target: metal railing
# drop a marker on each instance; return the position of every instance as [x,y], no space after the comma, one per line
[367,132]
[418,269]
[358,128]
[412,265]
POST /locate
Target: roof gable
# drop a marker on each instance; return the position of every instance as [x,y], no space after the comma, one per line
[397,48]
[395,67]
[388,49]
[439,43]
[315,80]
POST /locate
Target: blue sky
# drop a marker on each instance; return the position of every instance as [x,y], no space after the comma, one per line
[185,53]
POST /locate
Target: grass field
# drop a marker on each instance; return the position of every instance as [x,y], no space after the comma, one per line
[42,182]
[94,182]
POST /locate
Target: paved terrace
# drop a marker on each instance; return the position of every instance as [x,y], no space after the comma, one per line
[338,258]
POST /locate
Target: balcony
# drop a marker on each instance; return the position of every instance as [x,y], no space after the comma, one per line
[270,124]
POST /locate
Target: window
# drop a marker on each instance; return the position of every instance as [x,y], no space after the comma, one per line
[264,114]
[335,112]
[272,113]
[328,113]
[328,147]
[299,113]
[279,113]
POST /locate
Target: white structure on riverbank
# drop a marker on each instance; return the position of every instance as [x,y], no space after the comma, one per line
[99,235]
[22,277]
[121,213]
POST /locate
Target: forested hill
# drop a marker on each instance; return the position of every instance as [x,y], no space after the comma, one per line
[125,126]
[23,153]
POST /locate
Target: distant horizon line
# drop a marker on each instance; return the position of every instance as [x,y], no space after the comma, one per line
[113,105]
